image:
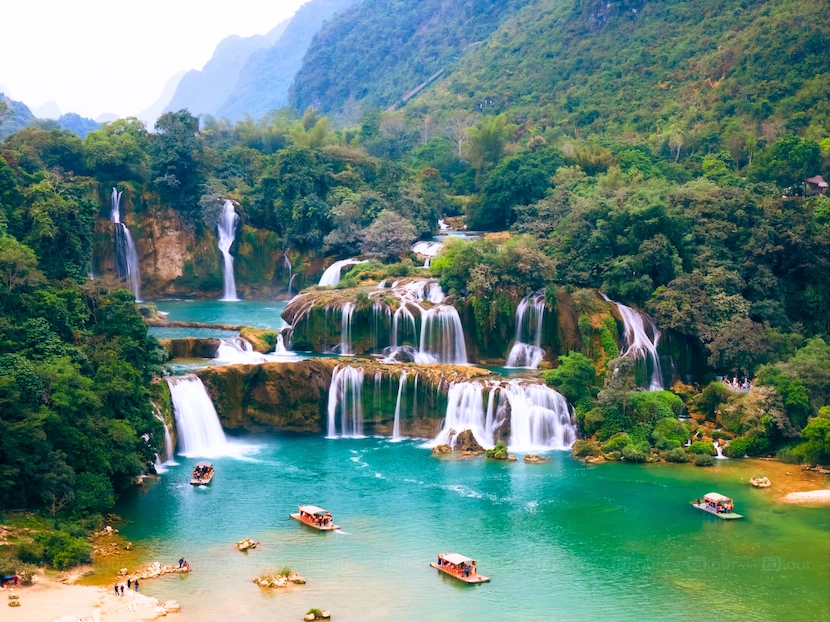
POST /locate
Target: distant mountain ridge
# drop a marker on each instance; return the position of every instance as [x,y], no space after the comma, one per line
[204,91]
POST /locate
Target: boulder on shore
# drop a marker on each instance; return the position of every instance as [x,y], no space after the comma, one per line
[760,482]
[535,459]
[442,449]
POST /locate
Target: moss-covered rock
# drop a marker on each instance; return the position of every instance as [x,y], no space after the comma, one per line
[191,347]
[262,339]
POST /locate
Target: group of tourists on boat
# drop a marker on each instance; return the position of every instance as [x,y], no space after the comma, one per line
[315,517]
[201,471]
[457,564]
[716,503]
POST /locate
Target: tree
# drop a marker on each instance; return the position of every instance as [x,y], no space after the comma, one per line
[488,140]
[390,236]
[176,159]
[18,268]
[574,378]
[789,160]
[457,129]
[739,347]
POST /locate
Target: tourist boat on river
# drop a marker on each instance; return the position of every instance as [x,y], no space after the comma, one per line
[202,474]
[315,517]
[460,567]
[719,505]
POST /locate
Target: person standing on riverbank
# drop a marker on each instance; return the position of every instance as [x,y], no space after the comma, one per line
[136,585]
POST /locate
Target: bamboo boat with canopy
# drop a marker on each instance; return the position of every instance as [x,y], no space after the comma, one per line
[315,517]
[719,505]
[202,474]
[460,567]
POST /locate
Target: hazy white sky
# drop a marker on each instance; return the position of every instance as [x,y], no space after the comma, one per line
[96,56]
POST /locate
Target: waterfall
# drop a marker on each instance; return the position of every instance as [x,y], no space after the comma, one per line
[381,316]
[638,344]
[287,263]
[539,417]
[126,258]
[197,424]
[280,347]
[237,350]
[227,234]
[331,277]
[347,313]
[396,428]
[529,316]
[166,459]
[719,451]
[442,337]
[465,411]
[345,395]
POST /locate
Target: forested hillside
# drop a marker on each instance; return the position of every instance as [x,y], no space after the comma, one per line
[264,80]
[381,49]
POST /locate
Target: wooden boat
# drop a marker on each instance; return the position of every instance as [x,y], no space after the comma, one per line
[202,474]
[315,517]
[719,505]
[459,567]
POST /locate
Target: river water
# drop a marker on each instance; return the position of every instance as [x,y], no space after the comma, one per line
[257,313]
[560,541]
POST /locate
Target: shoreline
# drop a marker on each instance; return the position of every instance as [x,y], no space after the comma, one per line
[50,600]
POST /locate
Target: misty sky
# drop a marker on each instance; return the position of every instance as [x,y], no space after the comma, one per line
[97,56]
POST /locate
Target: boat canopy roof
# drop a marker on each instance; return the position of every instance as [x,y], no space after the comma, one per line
[716,497]
[455,559]
[312,509]
[204,464]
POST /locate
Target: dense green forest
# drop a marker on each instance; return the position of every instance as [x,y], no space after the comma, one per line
[645,157]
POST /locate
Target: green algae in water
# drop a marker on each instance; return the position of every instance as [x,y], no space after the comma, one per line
[560,540]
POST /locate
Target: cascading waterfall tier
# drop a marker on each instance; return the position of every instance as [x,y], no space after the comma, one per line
[347,315]
[164,459]
[527,346]
[236,350]
[345,400]
[639,344]
[197,424]
[396,426]
[331,277]
[442,337]
[227,234]
[126,258]
[538,418]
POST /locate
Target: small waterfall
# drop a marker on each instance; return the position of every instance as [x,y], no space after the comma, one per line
[347,313]
[166,458]
[331,277]
[719,451]
[539,417]
[527,347]
[638,344]
[465,411]
[428,249]
[442,337]
[197,424]
[227,234]
[287,263]
[237,350]
[396,428]
[345,396]
[280,347]
[381,317]
[126,258]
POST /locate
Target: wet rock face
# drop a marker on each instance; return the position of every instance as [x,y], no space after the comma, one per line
[190,347]
[466,441]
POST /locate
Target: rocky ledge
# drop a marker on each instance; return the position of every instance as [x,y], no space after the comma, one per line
[279,580]
[152,571]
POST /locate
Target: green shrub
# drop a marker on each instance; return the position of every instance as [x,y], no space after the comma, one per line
[669,433]
[710,400]
[636,453]
[58,549]
[616,442]
[582,449]
[702,460]
[702,448]
[718,434]
[651,406]
[614,455]
[499,452]
[737,447]
[677,454]
[30,553]
[790,455]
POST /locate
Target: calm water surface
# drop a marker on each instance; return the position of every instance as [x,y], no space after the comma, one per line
[561,541]
[258,313]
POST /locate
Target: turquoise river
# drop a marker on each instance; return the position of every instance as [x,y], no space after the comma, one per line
[560,540]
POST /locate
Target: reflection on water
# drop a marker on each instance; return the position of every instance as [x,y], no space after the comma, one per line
[560,540]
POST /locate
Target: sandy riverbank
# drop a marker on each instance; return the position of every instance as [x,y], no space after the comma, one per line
[809,497]
[49,600]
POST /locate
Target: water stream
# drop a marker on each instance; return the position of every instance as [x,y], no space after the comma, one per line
[126,257]
[641,337]
[227,234]
[527,345]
